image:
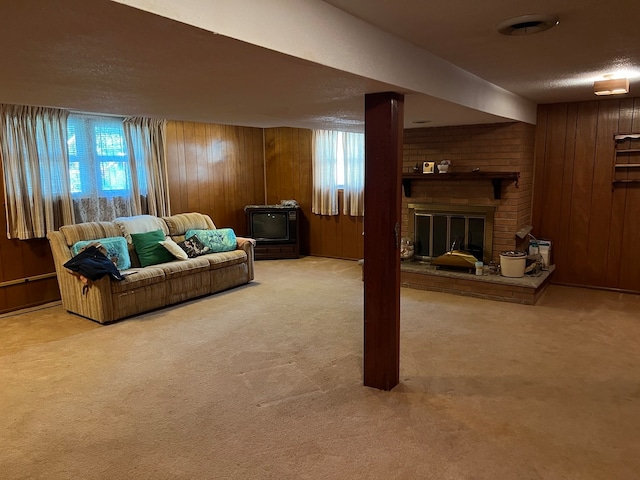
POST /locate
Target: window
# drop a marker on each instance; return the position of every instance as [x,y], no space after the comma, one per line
[63,168]
[338,162]
[98,157]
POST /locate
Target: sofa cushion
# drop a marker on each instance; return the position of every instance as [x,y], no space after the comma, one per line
[148,248]
[225,259]
[180,223]
[184,268]
[89,231]
[117,250]
[220,240]
[137,278]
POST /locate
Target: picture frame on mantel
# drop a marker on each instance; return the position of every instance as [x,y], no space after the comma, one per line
[428,167]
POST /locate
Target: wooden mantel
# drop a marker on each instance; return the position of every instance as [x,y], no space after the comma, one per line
[495,177]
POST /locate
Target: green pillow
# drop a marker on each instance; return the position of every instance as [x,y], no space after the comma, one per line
[116,247]
[220,240]
[149,249]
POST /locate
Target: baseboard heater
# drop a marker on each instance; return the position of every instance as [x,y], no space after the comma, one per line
[34,278]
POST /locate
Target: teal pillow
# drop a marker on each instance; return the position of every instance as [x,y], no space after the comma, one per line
[116,250]
[220,240]
[149,249]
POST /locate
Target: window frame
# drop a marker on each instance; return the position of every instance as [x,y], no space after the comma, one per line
[90,163]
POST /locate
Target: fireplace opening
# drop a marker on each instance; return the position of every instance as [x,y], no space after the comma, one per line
[437,229]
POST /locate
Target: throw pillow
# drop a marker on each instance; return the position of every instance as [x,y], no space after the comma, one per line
[116,248]
[149,249]
[174,249]
[139,224]
[220,240]
[194,247]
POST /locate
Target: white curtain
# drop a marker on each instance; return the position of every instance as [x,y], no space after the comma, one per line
[353,147]
[36,170]
[62,168]
[338,162]
[324,161]
[147,150]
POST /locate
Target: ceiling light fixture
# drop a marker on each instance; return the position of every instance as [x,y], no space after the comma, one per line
[611,86]
[527,24]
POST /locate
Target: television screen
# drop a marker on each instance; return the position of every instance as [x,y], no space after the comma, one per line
[270,225]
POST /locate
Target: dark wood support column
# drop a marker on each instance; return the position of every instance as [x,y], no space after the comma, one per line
[383,199]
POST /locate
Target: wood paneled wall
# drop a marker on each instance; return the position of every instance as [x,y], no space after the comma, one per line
[594,227]
[289,176]
[20,259]
[216,170]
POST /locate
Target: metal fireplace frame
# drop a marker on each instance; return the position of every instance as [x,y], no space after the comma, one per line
[467,211]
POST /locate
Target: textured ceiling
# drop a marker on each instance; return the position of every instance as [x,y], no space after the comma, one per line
[593,38]
[102,56]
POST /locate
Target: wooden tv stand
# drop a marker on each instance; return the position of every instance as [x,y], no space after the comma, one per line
[274,250]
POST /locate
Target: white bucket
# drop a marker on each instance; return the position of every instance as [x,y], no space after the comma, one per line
[513,263]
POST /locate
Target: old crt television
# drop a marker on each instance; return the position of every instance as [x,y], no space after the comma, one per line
[272,224]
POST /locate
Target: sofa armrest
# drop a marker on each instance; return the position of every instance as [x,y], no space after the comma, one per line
[93,302]
[248,245]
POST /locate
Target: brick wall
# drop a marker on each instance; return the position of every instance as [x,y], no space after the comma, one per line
[503,147]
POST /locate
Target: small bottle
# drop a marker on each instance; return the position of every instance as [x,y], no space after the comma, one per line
[479,269]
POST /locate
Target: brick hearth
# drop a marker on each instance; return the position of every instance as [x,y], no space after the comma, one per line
[525,290]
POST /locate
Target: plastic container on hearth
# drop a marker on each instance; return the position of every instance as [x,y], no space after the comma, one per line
[513,263]
[544,246]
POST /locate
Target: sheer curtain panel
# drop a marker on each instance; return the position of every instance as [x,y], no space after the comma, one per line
[338,162]
[324,160]
[353,148]
[102,177]
[36,174]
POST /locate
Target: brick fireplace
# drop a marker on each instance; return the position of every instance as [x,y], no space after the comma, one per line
[503,147]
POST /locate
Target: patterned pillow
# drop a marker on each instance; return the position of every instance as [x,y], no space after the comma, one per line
[116,247]
[194,247]
[220,240]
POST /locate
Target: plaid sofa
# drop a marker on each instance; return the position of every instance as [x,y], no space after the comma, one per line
[151,287]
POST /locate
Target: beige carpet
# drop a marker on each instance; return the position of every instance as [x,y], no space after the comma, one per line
[265,382]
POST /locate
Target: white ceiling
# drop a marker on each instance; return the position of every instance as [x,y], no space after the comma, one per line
[593,38]
[106,57]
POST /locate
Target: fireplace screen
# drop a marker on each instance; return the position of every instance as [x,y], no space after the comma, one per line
[436,232]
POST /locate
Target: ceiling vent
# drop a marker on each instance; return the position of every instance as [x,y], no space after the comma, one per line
[527,24]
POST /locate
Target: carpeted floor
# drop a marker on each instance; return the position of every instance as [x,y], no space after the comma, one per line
[265,382]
